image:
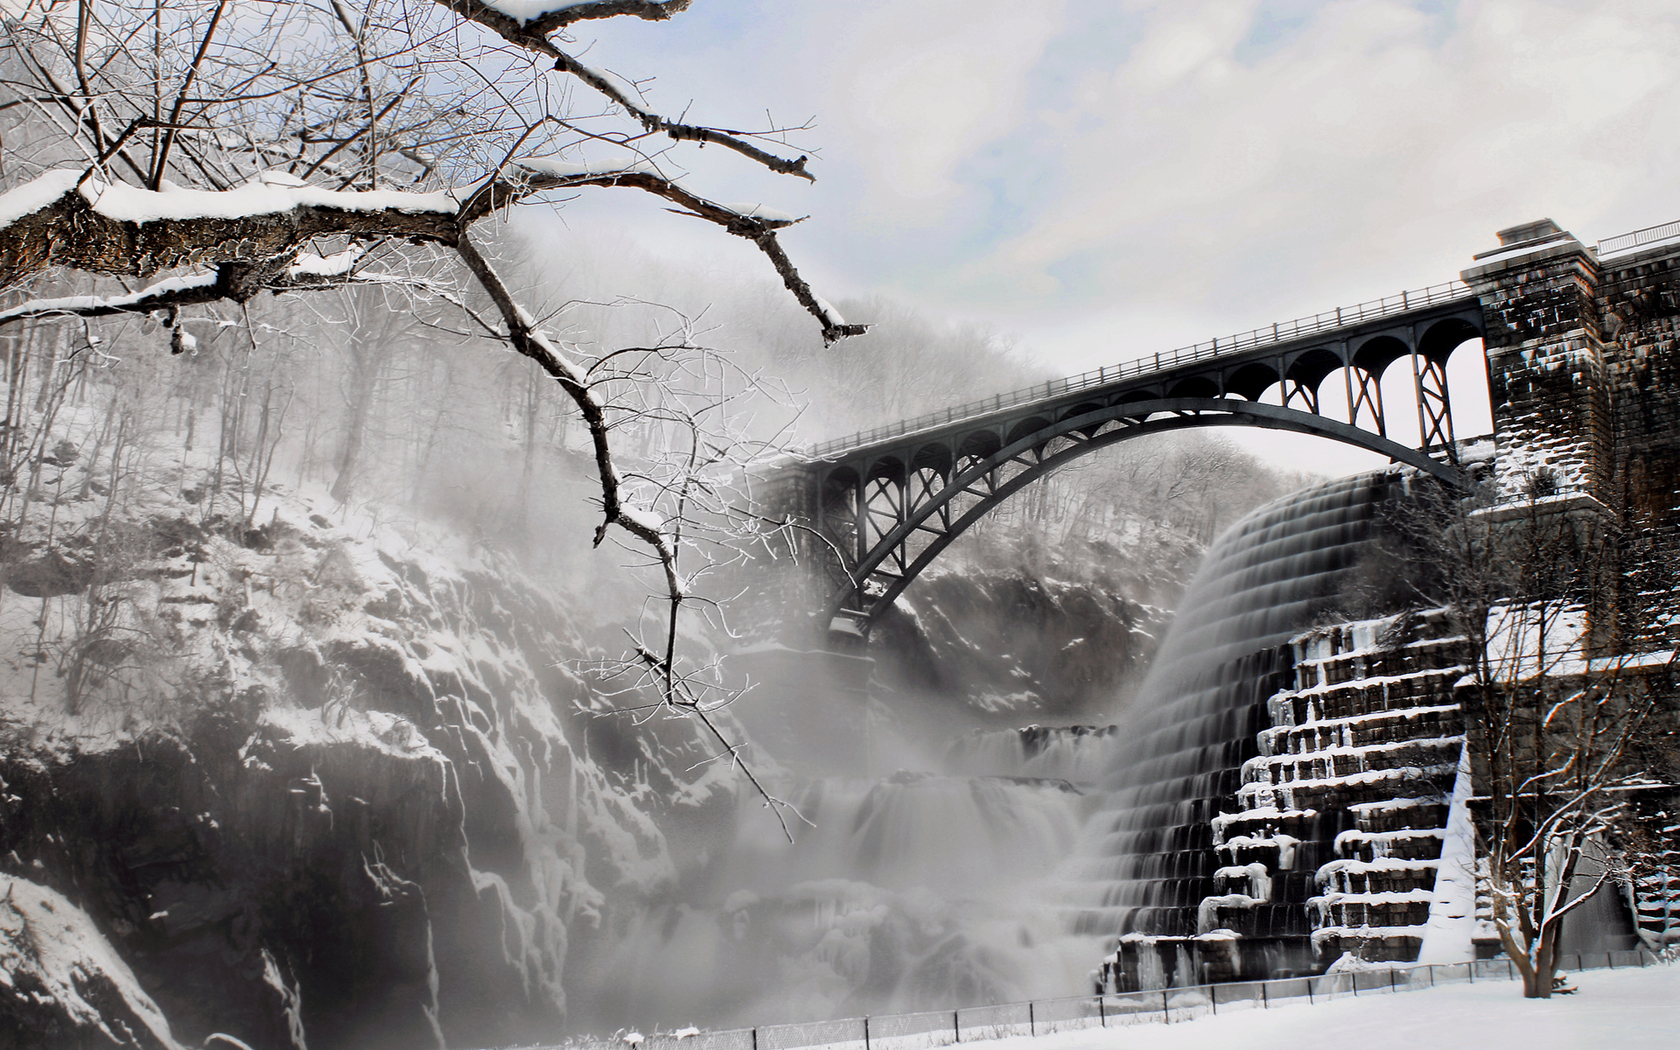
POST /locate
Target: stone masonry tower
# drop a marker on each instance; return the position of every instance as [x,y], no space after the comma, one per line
[1583,350]
[1546,359]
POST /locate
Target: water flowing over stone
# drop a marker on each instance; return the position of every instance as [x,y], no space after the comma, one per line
[1145,863]
[914,891]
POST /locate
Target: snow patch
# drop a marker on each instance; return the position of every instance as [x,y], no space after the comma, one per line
[49,948]
[36,194]
[1452,912]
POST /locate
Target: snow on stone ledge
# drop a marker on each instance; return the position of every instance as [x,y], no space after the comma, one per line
[53,959]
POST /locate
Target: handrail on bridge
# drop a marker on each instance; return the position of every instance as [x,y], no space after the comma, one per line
[1218,347]
[1620,242]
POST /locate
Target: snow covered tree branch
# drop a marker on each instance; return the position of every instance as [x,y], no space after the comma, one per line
[206,153]
[1552,708]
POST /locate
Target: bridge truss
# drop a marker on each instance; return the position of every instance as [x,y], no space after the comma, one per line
[888,502]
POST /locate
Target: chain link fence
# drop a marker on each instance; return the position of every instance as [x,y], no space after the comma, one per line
[937,1028]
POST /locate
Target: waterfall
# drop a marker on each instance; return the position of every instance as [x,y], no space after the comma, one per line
[916,891]
[1006,874]
[1144,863]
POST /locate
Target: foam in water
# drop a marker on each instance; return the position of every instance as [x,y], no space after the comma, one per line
[917,891]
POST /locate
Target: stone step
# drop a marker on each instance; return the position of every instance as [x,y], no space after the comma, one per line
[1364,697]
[1408,844]
[1352,790]
[1334,762]
[1412,723]
[1382,876]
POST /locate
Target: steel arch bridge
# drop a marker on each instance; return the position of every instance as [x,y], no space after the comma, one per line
[888,501]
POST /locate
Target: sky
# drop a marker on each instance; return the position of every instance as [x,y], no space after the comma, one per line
[1103,179]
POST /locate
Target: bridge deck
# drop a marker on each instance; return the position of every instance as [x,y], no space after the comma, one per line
[1280,334]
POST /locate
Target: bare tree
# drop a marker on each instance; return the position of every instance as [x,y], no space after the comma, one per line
[202,153]
[1554,706]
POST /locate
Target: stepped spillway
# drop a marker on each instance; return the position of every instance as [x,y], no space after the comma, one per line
[1146,860]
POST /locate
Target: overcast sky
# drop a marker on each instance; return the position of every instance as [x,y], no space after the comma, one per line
[1102,179]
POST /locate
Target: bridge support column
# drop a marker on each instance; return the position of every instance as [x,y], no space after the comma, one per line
[1546,359]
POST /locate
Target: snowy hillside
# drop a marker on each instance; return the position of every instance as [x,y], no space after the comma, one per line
[324,762]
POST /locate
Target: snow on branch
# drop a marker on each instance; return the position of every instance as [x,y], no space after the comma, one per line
[254,232]
[542,17]
[176,291]
[308,272]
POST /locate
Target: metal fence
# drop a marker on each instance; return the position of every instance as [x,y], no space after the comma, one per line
[936,1028]
[1624,241]
[1320,322]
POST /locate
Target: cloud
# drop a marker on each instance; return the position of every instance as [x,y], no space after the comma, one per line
[1373,134]
[921,86]
[1172,170]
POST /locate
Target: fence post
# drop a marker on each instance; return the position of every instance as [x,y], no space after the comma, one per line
[1265,1000]
[1309,991]
[1391,986]
[865,1032]
[1213,998]
[1610,960]
[1102,1011]
[1166,1011]
[1353,982]
[755,1039]
[1432,975]
[956,1028]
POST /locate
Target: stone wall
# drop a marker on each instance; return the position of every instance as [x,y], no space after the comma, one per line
[1338,842]
[1639,302]
[1584,374]
[1546,359]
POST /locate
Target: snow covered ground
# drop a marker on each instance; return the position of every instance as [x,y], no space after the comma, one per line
[1613,1010]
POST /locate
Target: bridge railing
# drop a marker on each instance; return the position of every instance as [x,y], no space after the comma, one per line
[1300,326]
[1624,241]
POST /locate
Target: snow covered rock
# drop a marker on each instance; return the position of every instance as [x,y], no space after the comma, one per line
[61,982]
[337,787]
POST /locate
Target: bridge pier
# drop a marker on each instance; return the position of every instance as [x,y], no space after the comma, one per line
[1546,360]
[1583,349]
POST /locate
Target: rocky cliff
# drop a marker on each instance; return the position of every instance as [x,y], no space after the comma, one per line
[320,783]
[336,783]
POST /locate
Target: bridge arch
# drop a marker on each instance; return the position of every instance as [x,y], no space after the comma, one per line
[890,501]
[926,526]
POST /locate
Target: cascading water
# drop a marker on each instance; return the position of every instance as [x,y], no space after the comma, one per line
[933,890]
[910,892]
[1078,754]
[1145,861]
